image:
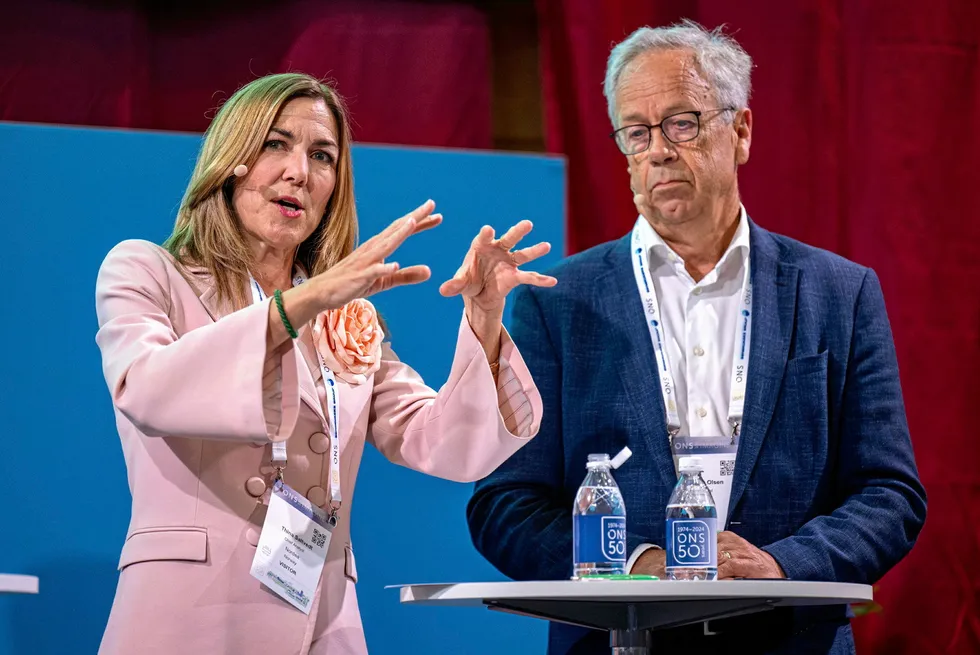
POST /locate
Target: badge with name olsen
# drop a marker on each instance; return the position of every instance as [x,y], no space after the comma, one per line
[292,547]
[718,457]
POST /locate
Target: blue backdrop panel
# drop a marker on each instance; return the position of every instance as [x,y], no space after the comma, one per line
[69,196]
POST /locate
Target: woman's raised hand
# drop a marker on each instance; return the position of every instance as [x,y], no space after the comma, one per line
[366,272]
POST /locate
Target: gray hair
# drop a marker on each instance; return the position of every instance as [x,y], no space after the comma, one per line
[725,64]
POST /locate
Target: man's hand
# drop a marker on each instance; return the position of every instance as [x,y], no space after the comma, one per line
[737,558]
[651,562]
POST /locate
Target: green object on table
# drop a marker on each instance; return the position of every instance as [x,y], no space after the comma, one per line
[619,577]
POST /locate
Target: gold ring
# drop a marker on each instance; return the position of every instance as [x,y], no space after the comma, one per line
[727,555]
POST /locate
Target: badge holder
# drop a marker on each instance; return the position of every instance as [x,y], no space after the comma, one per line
[718,456]
[293,545]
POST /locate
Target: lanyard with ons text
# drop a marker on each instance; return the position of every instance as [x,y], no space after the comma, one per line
[658,335]
[330,385]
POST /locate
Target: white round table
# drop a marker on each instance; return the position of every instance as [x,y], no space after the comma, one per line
[18,584]
[629,609]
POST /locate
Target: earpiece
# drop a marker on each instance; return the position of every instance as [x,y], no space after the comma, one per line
[266,192]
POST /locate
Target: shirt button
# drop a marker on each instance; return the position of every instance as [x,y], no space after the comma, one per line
[255,486]
[697,291]
[702,412]
[319,443]
[317,496]
[699,351]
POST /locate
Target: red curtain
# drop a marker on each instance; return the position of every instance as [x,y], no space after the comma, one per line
[413,73]
[867,143]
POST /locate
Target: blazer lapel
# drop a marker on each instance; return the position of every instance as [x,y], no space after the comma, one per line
[310,372]
[306,363]
[620,304]
[201,281]
[774,288]
[353,400]
[210,301]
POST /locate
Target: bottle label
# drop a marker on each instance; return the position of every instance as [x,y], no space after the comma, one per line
[599,538]
[692,542]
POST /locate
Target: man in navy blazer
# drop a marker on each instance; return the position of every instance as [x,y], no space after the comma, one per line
[824,485]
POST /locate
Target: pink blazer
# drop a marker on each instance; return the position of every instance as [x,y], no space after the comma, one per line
[198,400]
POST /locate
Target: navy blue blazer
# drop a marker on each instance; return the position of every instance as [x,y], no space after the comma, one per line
[825,479]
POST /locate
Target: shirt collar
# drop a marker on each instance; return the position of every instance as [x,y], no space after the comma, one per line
[739,245]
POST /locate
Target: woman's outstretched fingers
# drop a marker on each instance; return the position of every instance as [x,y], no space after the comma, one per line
[536,279]
[427,223]
[411,275]
[420,214]
[514,235]
[525,255]
[381,270]
[391,243]
[422,211]
[454,285]
[484,237]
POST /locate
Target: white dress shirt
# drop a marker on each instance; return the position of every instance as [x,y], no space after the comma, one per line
[699,318]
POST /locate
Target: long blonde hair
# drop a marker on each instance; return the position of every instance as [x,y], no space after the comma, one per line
[208,232]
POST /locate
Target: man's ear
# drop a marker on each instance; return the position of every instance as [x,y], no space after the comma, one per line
[743,135]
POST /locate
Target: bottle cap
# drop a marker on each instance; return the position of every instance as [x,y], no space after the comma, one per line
[690,464]
[621,457]
[598,459]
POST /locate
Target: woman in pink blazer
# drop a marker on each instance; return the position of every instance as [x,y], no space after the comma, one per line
[222,351]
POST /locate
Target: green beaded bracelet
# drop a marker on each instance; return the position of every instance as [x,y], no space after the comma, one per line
[282,315]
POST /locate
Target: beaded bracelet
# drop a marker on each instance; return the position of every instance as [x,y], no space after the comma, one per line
[282,315]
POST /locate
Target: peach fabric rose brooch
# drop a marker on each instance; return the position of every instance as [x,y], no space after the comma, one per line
[349,340]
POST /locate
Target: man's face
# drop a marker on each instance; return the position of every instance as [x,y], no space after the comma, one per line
[681,181]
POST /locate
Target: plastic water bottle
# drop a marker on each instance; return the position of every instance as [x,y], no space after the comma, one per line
[599,520]
[692,531]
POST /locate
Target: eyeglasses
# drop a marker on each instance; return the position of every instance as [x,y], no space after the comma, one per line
[676,128]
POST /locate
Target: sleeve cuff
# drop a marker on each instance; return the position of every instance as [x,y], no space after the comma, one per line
[513,401]
[518,400]
[639,550]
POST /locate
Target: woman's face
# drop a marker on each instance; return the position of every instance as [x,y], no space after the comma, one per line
[282,198]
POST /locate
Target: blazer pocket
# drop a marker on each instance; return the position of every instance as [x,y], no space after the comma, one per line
[350,567]
[806,365]
[803,419]
[181,543]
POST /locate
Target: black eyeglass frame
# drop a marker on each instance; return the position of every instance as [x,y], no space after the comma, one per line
[697,118]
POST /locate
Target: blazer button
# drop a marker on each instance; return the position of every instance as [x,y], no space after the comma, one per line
[319,443]
[317,496]
[255,486]
[252,537]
